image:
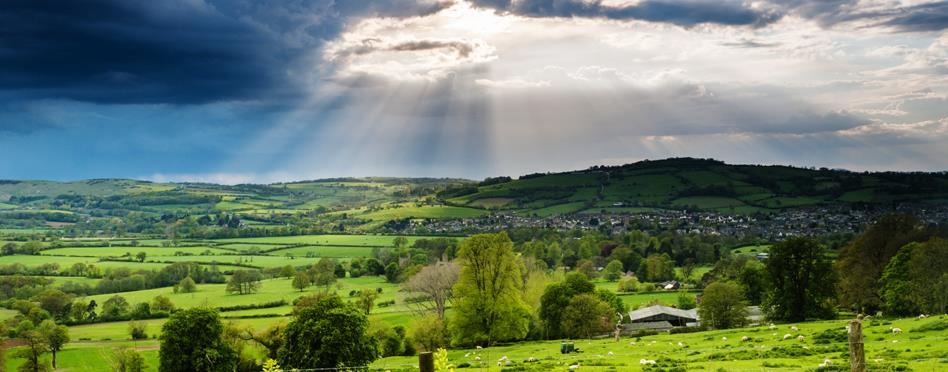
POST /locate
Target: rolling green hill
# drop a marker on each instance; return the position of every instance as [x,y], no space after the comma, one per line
[701,184]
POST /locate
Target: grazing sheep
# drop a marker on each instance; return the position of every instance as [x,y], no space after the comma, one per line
[502,359]
[826,363]
[478,347]
[610,353]
[772,326]
[531,360]
[787,336]
[723,338]
[745,339]
[477,358]
[896,330]
[681,344]
[922,316]
[801,338]
[574,367]
[646,361]
[794,328]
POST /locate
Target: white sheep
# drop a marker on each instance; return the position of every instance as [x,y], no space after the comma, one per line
[794,328]
[745,339]
[772,326]
[477,358]
[723,338]
[574,367]
[787,336]
[646,361]
[681,344]
[896,330]
[801,338]
[531,360]
[826,363]
[610,353]
[502,359]
[467,355]
[478,347]
[922,316]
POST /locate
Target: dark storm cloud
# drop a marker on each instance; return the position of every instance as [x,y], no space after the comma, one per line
[926,17]
[178,52]
[682,13]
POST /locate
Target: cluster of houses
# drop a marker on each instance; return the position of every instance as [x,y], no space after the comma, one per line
[779,224]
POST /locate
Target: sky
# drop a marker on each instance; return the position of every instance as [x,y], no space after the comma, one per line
[249,91]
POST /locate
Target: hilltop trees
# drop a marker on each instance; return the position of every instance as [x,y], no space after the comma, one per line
[488,306]
[191,341]
[327,334]
[802,281]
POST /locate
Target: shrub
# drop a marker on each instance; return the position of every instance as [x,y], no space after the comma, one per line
[137,330]
[628,284]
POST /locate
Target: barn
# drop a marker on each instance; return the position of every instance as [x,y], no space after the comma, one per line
[659,317]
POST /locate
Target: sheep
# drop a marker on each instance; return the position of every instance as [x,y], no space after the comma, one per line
[531,360]
[801,338]
[922,316]
[681,344]
[896,330]
[826,363]
[610,353]
[723,338]
[646,361]
[794,328]
[477,358]
[574,367]
[787,336]
[478,347]
[745,339]
[772,327]
[502,359]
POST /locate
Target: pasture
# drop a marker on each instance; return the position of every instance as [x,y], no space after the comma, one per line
[914,349]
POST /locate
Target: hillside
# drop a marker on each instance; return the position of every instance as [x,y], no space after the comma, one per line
[686,183]
[371,204]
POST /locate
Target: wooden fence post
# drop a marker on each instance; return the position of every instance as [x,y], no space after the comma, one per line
[426,361]
[857,355]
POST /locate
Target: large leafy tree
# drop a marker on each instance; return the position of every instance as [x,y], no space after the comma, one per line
[862,261]
[244,282]
[327,334]
[487,302]
[191,341]
[802,281]
[587,315]
[723,306]
[916,279]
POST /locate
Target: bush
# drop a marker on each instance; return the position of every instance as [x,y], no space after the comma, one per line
[137,330]
[628,284]
[687,330]
[938,325]
[648,287]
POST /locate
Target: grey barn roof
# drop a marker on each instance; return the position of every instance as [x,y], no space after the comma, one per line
[647,312]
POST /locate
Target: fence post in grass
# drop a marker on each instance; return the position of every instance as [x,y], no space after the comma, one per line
[426,361]
[857,355]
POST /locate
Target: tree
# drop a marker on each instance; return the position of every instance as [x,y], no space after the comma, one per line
[126,359]
[56,302]
[391,272]
[686,301]
[162,304]
[191,341]
[374,267]
[723,306]
[628,284]
[140,256]
[802,281]
[587,268]
[323,273]
[366,300]
[244,282]
[488,306]
[929,275]
[556,298]
[34,346]
[327,334]
[287,271]
[861,262]
[400,242]
[613,270]
[301,281]
[115,307]
[436,283]
[56,336]
[896,292]
[586,316]
[138,330]
[657,268]
[186,285]
[431,333]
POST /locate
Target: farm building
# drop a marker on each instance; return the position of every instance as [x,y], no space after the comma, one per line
[661,317]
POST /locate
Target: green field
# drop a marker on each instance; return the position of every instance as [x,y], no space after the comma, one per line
[344,240]
[716,350]
[435,211]
[120,251]
[751,249]
[325,251]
